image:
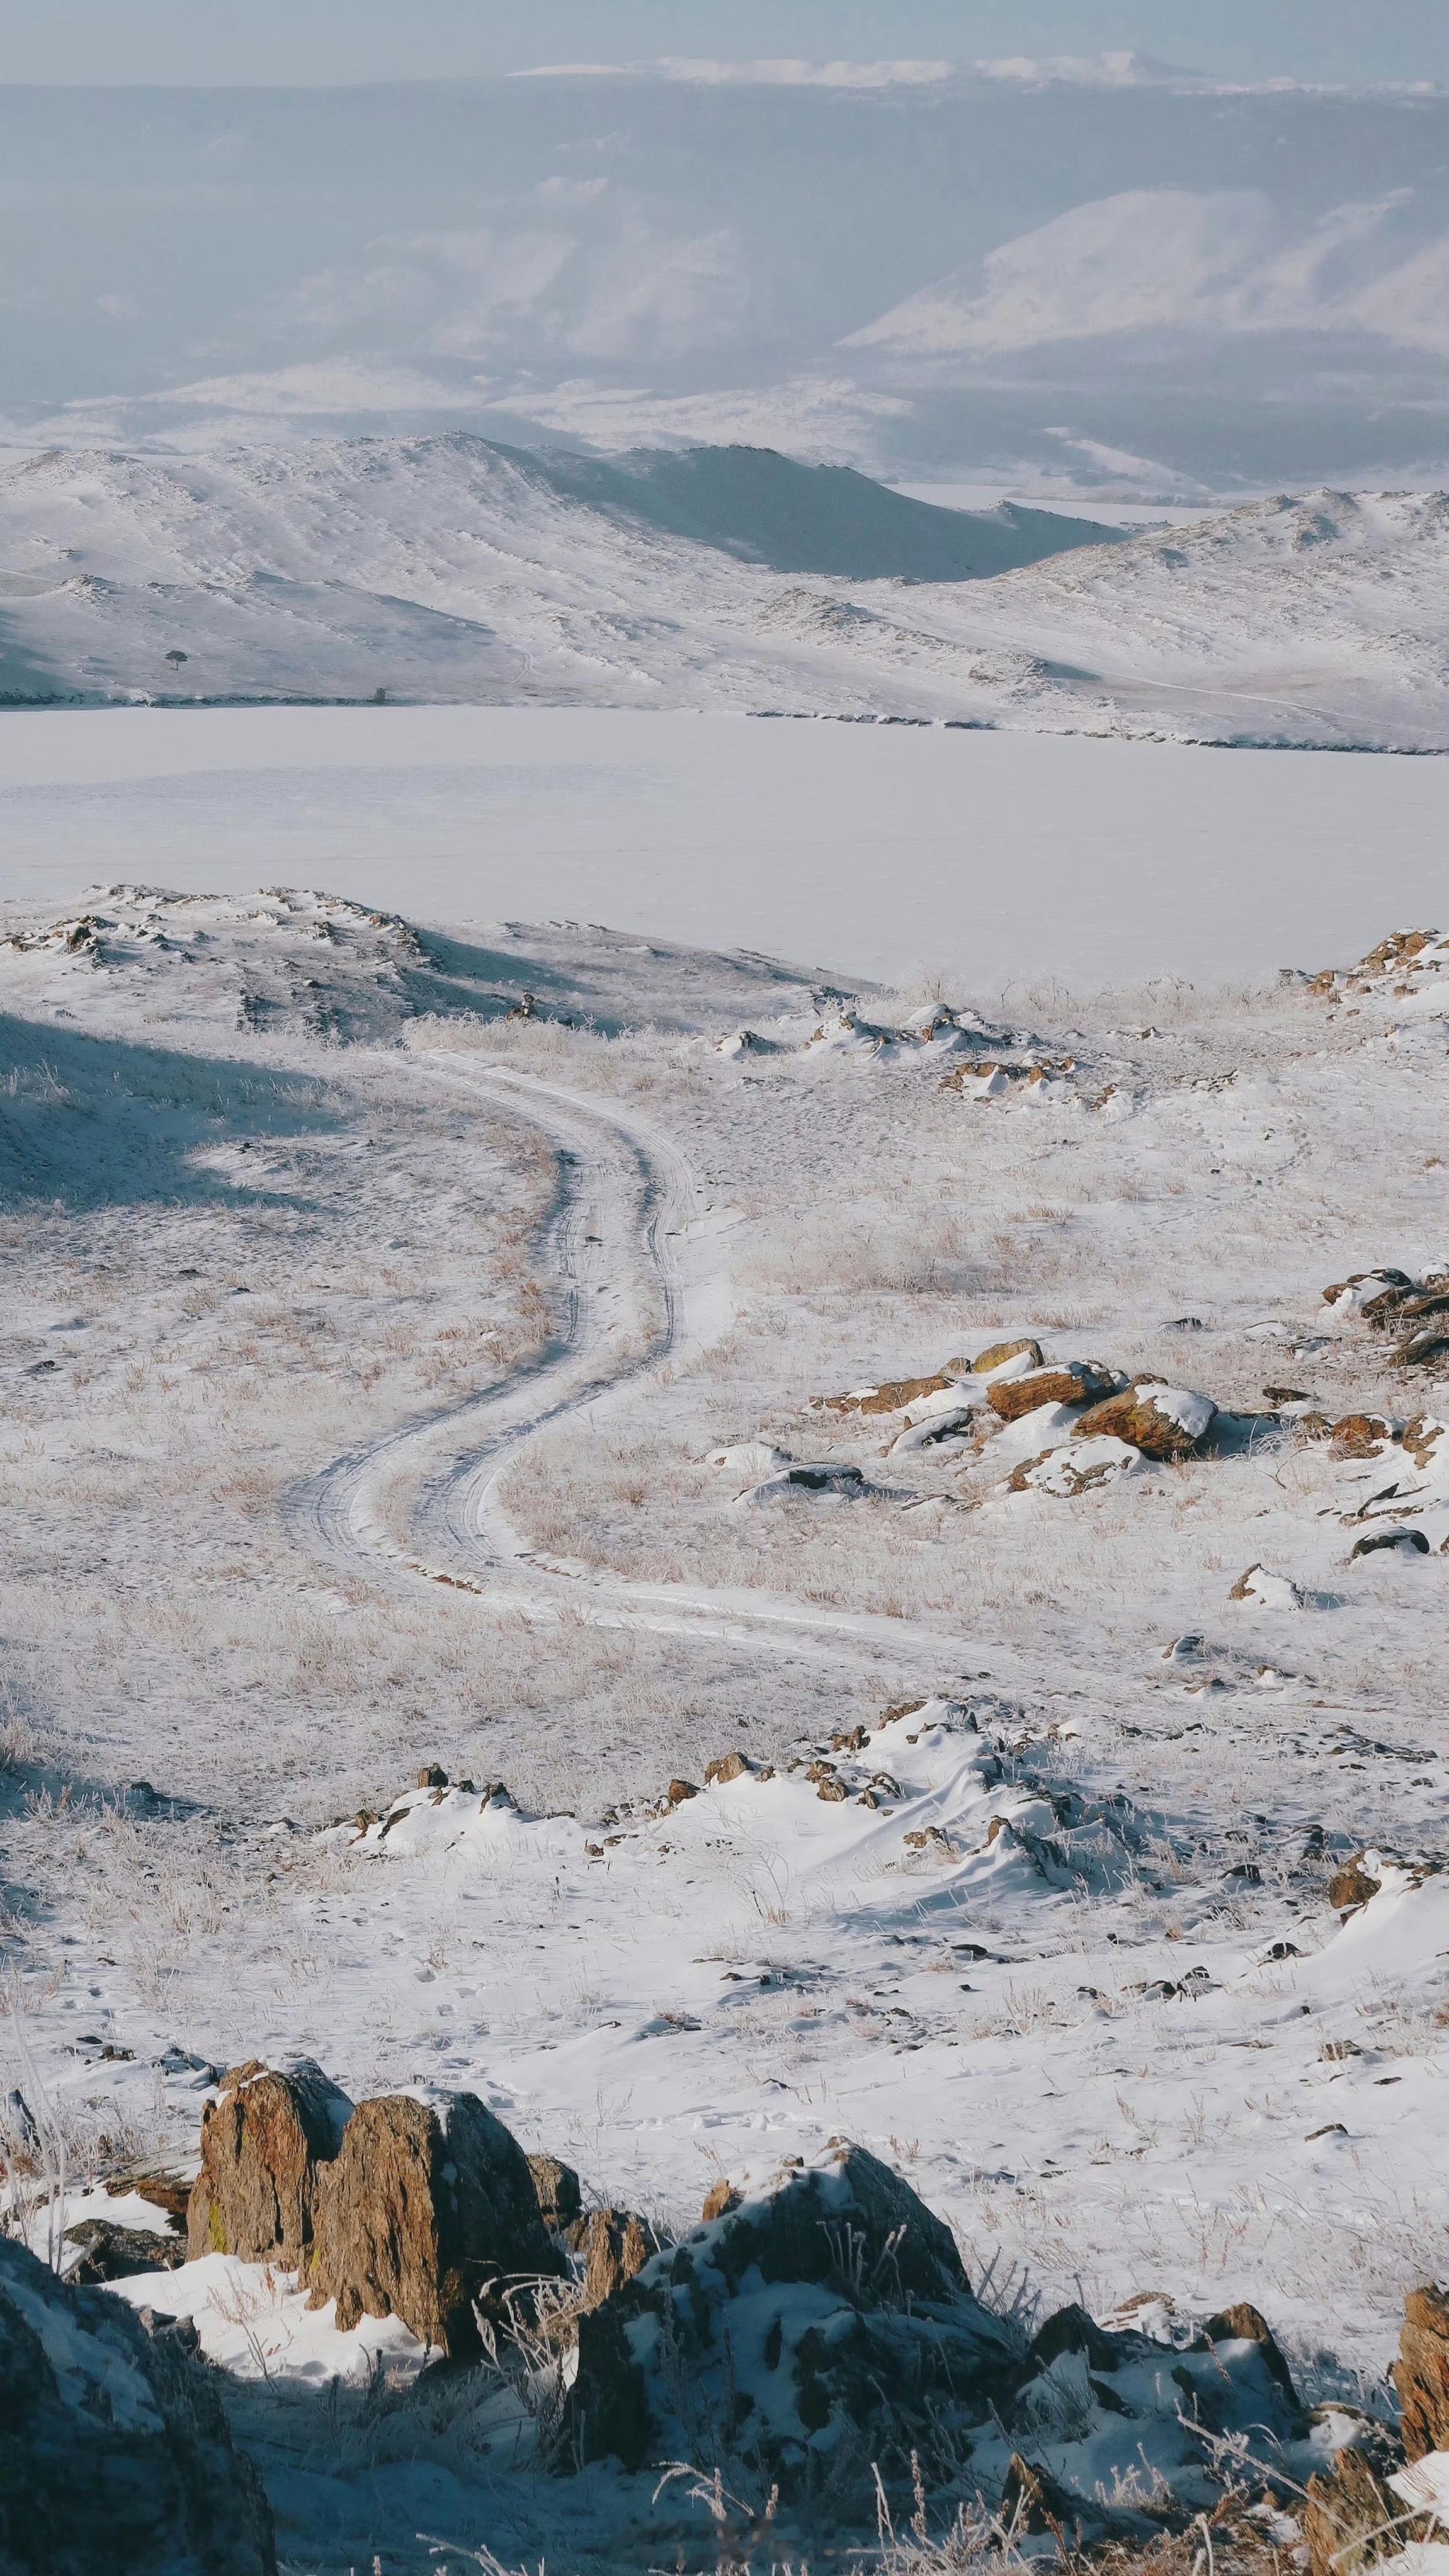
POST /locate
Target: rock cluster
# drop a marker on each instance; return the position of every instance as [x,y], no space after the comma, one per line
[828,2320]
[1389,1301]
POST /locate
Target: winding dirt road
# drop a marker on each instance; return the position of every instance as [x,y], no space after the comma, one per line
[627,1248]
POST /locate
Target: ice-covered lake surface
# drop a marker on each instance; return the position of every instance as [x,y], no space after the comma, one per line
[862,849]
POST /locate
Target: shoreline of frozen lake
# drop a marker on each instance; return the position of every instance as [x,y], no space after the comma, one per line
[866,849]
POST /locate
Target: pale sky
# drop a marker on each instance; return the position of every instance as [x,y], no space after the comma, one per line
[325,41]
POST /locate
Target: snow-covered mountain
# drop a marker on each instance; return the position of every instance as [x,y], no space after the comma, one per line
[446,568]
[1105,275]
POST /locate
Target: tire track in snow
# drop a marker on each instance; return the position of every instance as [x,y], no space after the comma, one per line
[644,1198]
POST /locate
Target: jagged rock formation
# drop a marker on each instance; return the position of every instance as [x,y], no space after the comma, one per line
[427,2202]
[263,2142]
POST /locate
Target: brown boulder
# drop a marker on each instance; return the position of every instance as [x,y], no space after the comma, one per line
[615,2244]
[998,1353]
[163,2190]
[425,2203]
[1158,1420]
[1081,1383]
[264,2141]
[718,2202]
[1347,2518]
[1421,2373]
[560,2198]
[1361,1435]
[891,1397]
[1351,1886]
[725,1767]
[1244,2323]
[1422,1436]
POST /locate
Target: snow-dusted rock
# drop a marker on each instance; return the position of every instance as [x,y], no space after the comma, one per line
[1079,1466]
[1162,1421]
[1076,1382]
[1266,1591]
[115,2454]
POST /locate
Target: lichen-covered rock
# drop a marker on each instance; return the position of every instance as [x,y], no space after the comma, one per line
[1162,1421]
[115,2456]
[426,2202]
[263,2142]
[999,1355]
[1083,1382]
[1361,1435]
[1421,2373]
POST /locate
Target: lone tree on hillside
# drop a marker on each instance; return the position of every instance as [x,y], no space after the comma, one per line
[175,657]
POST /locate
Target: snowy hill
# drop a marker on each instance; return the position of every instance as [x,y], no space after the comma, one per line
[449,569]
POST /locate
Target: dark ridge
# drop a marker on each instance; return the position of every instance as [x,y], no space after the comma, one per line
[769,509]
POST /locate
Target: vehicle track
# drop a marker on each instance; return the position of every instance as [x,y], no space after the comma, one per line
[625,1305]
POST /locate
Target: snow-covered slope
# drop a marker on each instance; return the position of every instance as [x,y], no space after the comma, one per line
[449,569]
[657,1382]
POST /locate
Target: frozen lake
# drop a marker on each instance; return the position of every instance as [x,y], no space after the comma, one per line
[861,849]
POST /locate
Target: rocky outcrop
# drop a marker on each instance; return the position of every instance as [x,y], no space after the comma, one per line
[1082,1382]
[1159,1420]
[559,2193]
[115,2457]
[1421,2373]
[264,2141]
[426,2203]
[1351,2518]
